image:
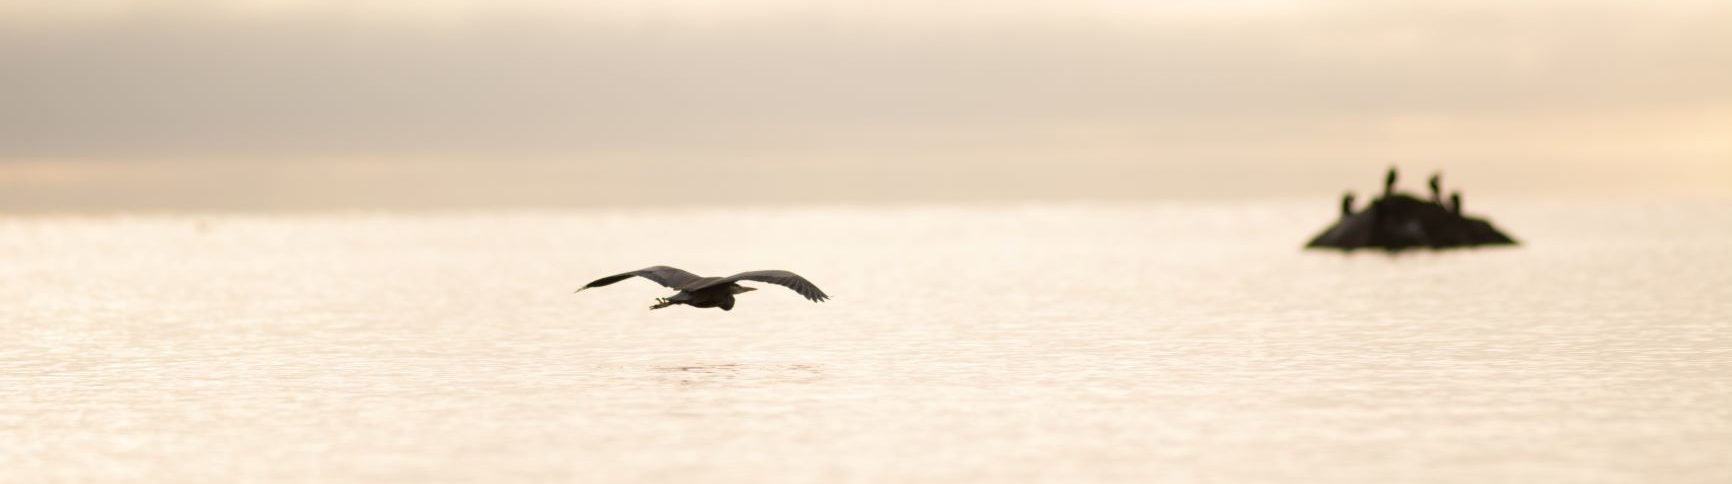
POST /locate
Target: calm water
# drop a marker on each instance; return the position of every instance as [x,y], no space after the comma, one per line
[1057,343]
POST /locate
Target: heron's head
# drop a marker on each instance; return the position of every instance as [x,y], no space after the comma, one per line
[742,289]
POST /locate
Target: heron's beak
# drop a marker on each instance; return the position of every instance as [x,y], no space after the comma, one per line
[579,290]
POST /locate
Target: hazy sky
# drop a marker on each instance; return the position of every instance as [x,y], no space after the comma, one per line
[111,104]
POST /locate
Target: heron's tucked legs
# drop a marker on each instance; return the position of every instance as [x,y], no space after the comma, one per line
[662,302]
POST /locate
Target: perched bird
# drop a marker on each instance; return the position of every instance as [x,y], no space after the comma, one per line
[1436,183]
[1389,183]
[711,292]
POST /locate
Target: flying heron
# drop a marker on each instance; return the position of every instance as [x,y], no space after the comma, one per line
[711,292]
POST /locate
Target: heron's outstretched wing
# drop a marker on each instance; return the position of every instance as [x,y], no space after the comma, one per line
[782,278]
[664,275]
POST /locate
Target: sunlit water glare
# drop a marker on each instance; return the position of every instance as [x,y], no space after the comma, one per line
[1023,343]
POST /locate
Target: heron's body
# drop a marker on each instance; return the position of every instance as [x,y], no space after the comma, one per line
[712,292]
[718,296]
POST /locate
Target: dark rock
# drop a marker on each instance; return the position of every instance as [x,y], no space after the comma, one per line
[1399,221]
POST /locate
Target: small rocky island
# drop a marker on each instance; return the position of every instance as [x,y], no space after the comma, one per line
[1397,221]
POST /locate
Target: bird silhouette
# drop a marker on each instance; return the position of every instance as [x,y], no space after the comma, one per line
[711,292]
